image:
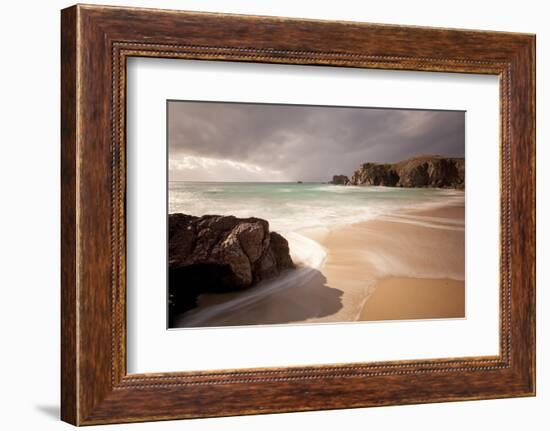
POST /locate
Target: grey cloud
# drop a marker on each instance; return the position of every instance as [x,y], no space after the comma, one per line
[310,143]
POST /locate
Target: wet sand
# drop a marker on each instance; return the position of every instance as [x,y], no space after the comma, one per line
[415,298]
[405,266]
[410,265]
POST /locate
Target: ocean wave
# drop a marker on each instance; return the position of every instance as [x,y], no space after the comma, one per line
[295,207]
[305,251]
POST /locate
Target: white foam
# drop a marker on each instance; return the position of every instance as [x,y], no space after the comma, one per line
[294,208]
[306,251]
[419,222]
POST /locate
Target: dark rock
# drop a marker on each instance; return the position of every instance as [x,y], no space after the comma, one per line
[374,174]
[341,180]
[281,252]
[421,171]
[220,254]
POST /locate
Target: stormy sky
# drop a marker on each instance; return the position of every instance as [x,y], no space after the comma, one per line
[213,141]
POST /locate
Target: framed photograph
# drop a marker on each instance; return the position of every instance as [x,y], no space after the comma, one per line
[277,239]
[263,214]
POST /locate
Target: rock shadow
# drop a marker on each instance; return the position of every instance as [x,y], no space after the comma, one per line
[294,297]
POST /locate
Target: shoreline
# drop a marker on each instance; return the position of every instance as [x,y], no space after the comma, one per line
[407,265]
[413,254]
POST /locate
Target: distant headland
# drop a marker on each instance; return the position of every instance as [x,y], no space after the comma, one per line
[419,171]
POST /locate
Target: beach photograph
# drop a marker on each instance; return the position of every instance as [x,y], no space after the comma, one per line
[305,214]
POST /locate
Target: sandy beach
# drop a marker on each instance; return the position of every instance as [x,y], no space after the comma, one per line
[408,265]
[414,262]
[399,298]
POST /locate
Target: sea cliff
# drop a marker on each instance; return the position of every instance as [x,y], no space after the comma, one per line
[420,171]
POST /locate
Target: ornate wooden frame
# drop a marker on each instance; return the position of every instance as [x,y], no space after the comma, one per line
[95,43]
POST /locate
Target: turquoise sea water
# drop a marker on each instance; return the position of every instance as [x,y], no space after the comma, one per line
[290,207]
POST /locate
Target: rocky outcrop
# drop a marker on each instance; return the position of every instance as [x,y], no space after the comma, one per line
[421,171]
[341,180]
[220,254]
